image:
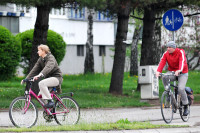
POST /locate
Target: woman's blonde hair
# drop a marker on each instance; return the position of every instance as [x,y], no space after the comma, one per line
[45,48]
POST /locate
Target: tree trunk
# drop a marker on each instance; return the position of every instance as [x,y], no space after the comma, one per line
[134,52]
[197,64]
[120,49]
[151,39]
[191,59]
[89,59]
[157,42]
[39,37]
[40,32]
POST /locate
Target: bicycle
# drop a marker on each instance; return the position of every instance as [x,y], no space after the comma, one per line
[171,102]
[24,113]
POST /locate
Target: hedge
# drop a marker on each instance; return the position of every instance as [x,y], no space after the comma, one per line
[54,40]
[10,52]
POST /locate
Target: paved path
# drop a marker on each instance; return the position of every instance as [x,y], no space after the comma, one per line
[172,130]
[152,114]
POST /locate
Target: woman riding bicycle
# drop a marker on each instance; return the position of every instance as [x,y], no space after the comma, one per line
[177,62]
[47,67]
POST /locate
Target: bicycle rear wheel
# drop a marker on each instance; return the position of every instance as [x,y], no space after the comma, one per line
[166,107]
[69,114]
[19,116]
[181,110]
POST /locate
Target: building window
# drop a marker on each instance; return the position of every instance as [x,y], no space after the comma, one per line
[80,50]
[102,51]
[55,12]
[58,12]
[22,9]
[103,16]
[76,13]
[64,11]
[11,23]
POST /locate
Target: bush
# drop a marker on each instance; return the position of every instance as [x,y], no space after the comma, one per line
[10,52]
[54,41]
[26,39]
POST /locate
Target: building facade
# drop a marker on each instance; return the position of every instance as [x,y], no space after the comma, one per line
[72,24]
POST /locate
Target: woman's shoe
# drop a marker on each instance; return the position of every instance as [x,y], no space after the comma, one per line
[50,104]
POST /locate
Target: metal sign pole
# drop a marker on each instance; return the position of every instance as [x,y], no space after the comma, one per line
[173,38]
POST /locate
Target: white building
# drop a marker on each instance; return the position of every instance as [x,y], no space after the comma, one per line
[72,25]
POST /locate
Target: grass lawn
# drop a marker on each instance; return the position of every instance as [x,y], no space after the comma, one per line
[91,91]
[119,125]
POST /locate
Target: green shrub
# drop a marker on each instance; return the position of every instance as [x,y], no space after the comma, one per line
[10,52]
[57,45]
[54,41]
[26,39]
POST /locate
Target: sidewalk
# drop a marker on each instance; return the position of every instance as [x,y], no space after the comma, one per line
[110,115]
[167,130]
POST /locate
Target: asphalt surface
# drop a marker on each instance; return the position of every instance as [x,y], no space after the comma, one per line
[151,114]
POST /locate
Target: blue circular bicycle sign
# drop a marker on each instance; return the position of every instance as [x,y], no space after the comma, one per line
[173,20]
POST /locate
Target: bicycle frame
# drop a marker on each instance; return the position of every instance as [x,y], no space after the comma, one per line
[23,112]
[175,99]
[171,101]
[38,98]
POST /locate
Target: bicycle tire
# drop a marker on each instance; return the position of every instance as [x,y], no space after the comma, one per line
[166,107]
[17,115]
[184,118]
[70,118]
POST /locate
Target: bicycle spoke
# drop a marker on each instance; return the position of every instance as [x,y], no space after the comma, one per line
[174,104]
[184,118]
[69,114]
[166,107]
[17,113]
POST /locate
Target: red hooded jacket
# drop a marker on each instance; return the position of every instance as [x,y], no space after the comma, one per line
[176,61]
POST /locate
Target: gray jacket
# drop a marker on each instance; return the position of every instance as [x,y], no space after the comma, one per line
[48,66]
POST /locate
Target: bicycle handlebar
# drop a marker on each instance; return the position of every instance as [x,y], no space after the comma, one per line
[168,74]
[28,80]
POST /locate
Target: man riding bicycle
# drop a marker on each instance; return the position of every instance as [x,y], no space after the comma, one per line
[177,62]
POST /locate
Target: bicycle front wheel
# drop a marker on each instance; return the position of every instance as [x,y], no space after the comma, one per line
[67,112]
[21,114]
[181,110]
[166,107]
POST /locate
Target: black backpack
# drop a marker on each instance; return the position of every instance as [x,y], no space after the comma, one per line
[190,95]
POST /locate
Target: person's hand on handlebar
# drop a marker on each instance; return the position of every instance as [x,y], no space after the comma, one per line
[27,80]
[157,74]
[33,79]
[22,82]
[37,76]
[177,72]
